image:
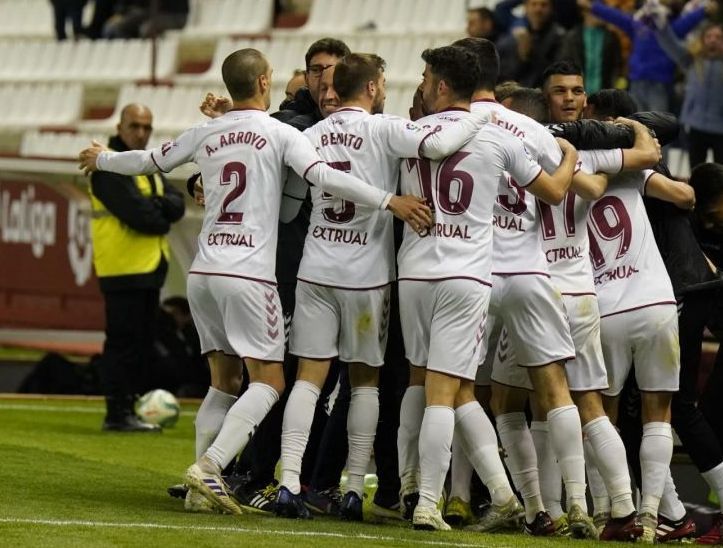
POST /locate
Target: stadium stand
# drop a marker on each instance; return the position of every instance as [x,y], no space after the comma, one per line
[214,18]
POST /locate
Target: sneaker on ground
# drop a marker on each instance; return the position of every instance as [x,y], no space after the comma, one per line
[206,479]
[507,516]
[289,505]
[669,530]
[562,526]
[178,491]
[600,519]
[580,524]
[626,529]
[715,534]
[458,512]
[197,503]
[351,507]
[257,500]
[379,511]
[541,526]
[650,524]
[326,501]
[409,504]
[429,519]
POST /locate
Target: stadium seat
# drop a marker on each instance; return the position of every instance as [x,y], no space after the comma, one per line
[224,47]
[211,18]
[26,18]
[114,61]
[27,105]
[48,144]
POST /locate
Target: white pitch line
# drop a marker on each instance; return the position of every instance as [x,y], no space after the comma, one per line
[318,534]
[65,409]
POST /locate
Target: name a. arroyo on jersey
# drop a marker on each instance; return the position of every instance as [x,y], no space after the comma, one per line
[348,140]
[226,238]
[619,273]
[238,138]
[446,230]
[562,253]
[340,235]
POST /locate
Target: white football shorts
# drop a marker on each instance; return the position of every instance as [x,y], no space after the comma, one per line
[587,371]
[648,336]
[443,324]
[330,322]
[237,316]
[536,329]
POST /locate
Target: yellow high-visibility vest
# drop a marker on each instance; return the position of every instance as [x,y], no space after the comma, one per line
[118,250]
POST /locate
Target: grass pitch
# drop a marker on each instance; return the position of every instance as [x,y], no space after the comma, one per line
[66,483]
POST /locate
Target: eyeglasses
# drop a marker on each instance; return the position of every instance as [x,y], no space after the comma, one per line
[316,70]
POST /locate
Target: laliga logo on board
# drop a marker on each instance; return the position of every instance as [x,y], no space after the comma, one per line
[27,221]
[80,249]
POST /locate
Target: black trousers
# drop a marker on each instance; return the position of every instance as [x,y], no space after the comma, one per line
[130,319]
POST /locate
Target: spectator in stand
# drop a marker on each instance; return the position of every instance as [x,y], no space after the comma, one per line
[702,112]
[68,9]
[481,24]
[102,11]
[650,70]
[136,18]
[596,49]
[529,49]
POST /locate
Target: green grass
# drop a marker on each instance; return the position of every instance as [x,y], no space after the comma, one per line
[66,483]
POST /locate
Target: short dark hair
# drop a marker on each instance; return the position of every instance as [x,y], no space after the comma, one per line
[707,182]
[483,12]
[487,58]
[504,89]
[457,66]
[240,70]
[612,103]
[353,71]
[564,68]
[332,46]
[530,102]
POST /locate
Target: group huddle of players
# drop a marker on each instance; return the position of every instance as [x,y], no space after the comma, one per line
[528,275]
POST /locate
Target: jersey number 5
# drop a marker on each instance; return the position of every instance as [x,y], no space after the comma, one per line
[345,213]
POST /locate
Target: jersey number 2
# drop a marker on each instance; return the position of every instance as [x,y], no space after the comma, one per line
[232,173]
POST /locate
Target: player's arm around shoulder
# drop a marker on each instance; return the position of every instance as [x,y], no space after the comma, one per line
[663,188]
[645,153]
[552,187]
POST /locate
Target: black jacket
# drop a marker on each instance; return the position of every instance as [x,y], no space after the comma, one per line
[121,197]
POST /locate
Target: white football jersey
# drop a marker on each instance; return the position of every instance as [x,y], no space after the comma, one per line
[629,272]
[564,228]
[348,245]
[461,190]
[517,241]
[243,156]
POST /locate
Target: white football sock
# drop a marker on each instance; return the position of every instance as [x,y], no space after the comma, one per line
[598,491]
[521,460]
[714,478]
[670,505]
[656,450]
[612,464]
[210,418]
[480,443]
[565,437]
[435,450]
[461,471]
[410,422]
[241,423]
[548,471]
[361,425]
[298,416]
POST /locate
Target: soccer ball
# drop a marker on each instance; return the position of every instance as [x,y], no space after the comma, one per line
[158,407]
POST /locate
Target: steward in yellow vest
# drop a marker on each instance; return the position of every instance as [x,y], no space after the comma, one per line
[130,219]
